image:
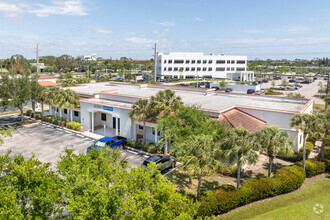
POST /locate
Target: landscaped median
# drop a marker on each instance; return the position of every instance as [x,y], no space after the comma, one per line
[76,126]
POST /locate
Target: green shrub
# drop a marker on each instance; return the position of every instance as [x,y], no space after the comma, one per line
[325,159]
[295,157]
[74,125]
[227,198]
[227,170]
[28,113]
[313,167]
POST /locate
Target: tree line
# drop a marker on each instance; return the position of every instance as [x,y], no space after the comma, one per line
[67,63]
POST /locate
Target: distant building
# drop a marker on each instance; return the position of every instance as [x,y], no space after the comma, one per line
[192,65]
[88,57]
[41,66]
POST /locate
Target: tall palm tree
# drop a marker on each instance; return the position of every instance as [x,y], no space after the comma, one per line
[272,141]
[42,97]
[197,155]
[141,112]
[322,127]
[69,99]
[52,97]
[36,89]
[164,103]
[303,122]
[237,147]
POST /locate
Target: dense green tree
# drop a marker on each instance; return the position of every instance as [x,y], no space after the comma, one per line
[36,91]
[5,132]
[271,140]
[197,154]
[16,88]
[321,127]
[238,148]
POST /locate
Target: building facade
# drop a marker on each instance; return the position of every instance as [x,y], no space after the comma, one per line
[104,109]
[192,65]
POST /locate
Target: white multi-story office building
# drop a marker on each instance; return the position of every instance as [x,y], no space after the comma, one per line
[192,65]
[88,57]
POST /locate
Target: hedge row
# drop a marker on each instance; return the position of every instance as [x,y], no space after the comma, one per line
[326,158]
[298,156]
[54,120]
[228,197]
[149,147]
[313,167]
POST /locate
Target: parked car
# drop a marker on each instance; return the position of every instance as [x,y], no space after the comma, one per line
[228,90]
[254,83]
[291,87]
[265,80]
[292,80]
[263,90]
[298,86]
[164,162]
[112,142]
[258,92]
[250,91]
[215,87]
[305,82]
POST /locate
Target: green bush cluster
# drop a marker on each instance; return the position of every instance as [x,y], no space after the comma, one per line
[295,157]
[148,147]
[74,125]
[326,158]
[227,169]
[313,167]
[227,197]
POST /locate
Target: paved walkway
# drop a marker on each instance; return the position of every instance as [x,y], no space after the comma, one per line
[316,150]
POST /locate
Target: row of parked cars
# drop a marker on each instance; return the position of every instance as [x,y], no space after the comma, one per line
[164,162]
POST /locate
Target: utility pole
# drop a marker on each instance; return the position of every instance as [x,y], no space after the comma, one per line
[37,53]
[155,59]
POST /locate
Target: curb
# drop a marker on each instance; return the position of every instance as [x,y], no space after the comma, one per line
[139,151]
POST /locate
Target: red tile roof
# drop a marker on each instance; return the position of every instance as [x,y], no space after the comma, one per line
[48,83]
[237,118]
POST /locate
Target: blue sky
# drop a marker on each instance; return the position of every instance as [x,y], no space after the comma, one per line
[113,28]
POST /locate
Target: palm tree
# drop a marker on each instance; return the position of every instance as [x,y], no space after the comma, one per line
[237,147]
[273,140]
[42,97]
[303,122]
[69,99]
[141,112]
[36,90]
[322,127]
[164,103]
[197,155]
[52,97]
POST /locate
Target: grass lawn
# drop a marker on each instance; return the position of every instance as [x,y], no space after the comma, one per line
[10,113]
[296,205]
[318,106]
[181,181]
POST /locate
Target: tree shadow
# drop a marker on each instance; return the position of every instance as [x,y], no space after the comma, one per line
[209,185]
[181,180]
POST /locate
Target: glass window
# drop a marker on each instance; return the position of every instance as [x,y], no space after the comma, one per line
[204,61]
[220,69]
[164,68]
[233,61]
[204,68]
[240,69]
[164,61]
[153,132]
[221,61]
[228,61]
[76,113]
[175,69]
[199,61]
[210,61]
[233,68]
[103,117]
[192,68]
[140,127]
[178,61]
[187,68]
[170,69]
[240,62]
[210,69]
[193,61]
[198,69]
[65,111]
[169,61]
[228,68]
[187,61]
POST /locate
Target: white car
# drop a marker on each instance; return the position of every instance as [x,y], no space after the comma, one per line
[258,92]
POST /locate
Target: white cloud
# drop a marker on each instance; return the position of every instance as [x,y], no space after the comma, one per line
[164,23]
[101,30]
[10,10]
[296,29]
[198,19]
[56,7]
[161,34]
[137,40]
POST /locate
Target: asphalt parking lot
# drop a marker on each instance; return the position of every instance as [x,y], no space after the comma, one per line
[48,142]
[8,119]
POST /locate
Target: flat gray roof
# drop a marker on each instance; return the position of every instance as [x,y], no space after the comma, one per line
[215,101]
